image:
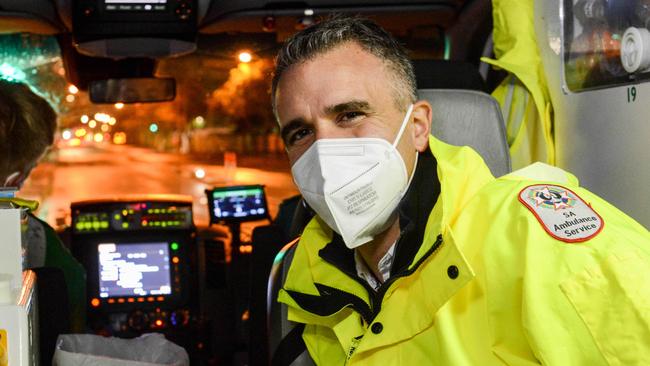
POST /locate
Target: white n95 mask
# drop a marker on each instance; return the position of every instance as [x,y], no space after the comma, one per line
[353,184]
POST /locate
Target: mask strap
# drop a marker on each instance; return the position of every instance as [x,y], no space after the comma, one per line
[403,127]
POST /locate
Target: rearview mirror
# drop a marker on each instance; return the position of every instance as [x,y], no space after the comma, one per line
[132,90]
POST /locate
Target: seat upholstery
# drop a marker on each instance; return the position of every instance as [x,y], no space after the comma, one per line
[472,118]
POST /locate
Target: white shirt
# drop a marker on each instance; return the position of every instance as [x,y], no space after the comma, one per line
[384,265]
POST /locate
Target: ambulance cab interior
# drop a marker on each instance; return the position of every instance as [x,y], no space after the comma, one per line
[213,269]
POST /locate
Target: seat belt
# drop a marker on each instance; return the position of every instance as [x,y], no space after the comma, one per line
[290,347]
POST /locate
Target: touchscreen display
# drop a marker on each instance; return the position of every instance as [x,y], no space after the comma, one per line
[133,269]
[243,203]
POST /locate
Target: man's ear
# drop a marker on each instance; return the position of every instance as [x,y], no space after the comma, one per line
[421,124]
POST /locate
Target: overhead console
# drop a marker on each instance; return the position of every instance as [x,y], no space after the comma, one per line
[134,28]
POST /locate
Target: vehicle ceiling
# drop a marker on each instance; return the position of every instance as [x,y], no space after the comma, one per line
[416,17]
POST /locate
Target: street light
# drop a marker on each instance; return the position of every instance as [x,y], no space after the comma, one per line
[245,57]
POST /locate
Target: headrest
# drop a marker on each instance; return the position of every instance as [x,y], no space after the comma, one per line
[472,118]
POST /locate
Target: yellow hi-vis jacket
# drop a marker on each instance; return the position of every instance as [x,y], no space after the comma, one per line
[523,95]
[489,285]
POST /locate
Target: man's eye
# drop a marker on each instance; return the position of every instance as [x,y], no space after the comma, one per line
[298,135]
[350,116]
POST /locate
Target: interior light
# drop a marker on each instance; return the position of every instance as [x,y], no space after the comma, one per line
[119,105]
[73,89]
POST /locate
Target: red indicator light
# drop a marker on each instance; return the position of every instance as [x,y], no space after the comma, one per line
[140,299]
[121,301]
[95,302]
[144,222]
[159,323]
[175,260]
[160,298]
[150,299]
[111,301]
[130,299]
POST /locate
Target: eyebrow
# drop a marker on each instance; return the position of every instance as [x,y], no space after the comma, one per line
[353,105]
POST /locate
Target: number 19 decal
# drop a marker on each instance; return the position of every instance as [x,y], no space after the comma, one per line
[631,94]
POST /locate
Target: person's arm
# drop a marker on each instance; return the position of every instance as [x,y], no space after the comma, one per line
[58,256]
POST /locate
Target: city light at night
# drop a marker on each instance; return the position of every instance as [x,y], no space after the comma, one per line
[245,57]
[199,173]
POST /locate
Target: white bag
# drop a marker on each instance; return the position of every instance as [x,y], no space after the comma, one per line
[92,350]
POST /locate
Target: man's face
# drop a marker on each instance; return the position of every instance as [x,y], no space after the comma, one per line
[343,93]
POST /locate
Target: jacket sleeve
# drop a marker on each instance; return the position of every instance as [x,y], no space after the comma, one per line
[58,256]
[591,304]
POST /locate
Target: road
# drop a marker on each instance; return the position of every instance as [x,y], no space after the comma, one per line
[80,173]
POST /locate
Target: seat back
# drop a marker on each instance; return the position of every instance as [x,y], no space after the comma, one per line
[472,118]
[460,117]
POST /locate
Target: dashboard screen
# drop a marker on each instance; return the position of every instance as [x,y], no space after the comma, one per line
[241,203]
[133,269]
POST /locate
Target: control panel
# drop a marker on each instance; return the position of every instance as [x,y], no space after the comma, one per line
[133,216]
[138,256]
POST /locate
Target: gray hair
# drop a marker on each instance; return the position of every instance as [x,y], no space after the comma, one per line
[337,30]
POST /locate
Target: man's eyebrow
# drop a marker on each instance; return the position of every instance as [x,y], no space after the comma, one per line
[353,105]
[294,124]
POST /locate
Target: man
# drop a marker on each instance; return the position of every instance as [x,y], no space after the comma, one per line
[27,127]
[418,255]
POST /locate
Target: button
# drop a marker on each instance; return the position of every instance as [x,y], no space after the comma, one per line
[377,328]
[452,272]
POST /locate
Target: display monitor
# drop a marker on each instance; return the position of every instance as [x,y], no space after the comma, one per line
[237,204]
[134,269]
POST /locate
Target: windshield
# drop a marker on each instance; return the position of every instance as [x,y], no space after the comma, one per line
[218,131]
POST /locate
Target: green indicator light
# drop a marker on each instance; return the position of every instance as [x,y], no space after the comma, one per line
[117,217]
[88,225]
[80,226]
[164,224]
[104,225]
[95,225]
[125,225]
[174,246]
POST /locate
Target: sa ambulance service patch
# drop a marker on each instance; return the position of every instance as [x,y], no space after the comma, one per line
[562,213]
